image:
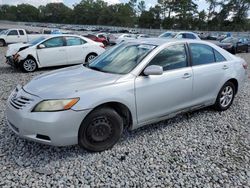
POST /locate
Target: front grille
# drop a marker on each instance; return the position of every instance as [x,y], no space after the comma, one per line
[19,102]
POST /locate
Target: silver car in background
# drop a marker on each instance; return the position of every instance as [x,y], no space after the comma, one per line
[131,85]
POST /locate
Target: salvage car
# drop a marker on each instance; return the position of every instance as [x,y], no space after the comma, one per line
[53,51]
[133,84]
[235,44]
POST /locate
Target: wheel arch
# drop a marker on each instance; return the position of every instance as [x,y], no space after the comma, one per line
[122,109]
[235,82]
[3,41]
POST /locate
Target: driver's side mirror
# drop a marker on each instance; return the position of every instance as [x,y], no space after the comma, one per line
[153,70]
[40,46]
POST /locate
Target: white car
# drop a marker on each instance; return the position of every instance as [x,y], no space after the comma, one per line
[53,51]
[180,35]
[118,38]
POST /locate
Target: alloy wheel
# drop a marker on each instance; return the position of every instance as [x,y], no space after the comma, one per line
[29,65]
[90,58]
[226,96]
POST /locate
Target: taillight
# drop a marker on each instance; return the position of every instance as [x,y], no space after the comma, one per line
[245,65]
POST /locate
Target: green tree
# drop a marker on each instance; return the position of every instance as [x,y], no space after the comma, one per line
[141,6]
[55,13]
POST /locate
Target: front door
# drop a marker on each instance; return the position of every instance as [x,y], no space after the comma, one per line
[54,52]
[12,37]
[160,95]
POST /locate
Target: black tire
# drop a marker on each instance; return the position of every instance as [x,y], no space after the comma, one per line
[218,104]
[234,50]
[100,130]
[105,43]
[2,43]
[90,57]
[29,65]
[247,50]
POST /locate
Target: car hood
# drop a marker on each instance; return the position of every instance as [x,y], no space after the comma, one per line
[68,82]
[14,48]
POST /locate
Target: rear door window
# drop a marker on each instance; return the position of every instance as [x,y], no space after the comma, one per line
[201,54]
[74,41]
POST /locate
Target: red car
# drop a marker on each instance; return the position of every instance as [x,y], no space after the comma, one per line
[97,39]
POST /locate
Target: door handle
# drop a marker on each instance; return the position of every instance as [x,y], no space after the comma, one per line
[225,67]
[62,50]
[186,75]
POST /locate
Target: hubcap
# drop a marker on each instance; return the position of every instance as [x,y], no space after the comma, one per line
[29,65]
[99,130]
[226,96]
[90,58]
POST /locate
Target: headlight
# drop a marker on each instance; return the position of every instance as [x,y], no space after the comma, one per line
[55,105]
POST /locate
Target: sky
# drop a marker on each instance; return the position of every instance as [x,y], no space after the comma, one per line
[201,3]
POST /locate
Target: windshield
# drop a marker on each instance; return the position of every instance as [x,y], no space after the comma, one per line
[4,32]
[168,35]
[122,58]
[36,40]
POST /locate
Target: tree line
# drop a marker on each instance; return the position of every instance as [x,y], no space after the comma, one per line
[167,14]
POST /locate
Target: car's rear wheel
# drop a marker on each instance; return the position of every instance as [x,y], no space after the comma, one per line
[90,57]
[225,97]
[100,130]
[29,65]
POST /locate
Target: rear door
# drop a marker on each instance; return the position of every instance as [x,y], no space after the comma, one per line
[209,73]
[12,36]
[54,53]
[76,49]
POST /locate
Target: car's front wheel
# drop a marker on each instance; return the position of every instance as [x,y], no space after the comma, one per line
[225,97]
[100,130]
[29,65]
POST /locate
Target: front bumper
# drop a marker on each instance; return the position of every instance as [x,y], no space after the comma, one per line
[52,128]
[12,60]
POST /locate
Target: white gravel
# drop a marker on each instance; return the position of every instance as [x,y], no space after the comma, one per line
[198,149]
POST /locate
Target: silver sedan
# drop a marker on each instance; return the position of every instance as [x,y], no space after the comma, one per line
[131,85]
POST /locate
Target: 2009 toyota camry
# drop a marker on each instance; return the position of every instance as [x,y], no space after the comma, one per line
[128,86]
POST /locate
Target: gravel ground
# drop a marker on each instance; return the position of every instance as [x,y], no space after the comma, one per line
[199,149]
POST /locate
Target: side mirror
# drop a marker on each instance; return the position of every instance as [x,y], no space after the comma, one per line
[153,70]
[40,46]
